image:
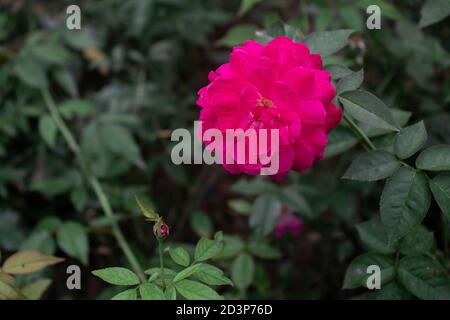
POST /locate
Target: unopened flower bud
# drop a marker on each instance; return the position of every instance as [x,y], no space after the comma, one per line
[161,230]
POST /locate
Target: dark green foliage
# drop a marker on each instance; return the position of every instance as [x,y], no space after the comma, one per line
[130,77]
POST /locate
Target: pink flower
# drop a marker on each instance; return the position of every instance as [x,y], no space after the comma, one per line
[280,85]
[288,223]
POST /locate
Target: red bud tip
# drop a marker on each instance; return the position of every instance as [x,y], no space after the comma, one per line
[161,230]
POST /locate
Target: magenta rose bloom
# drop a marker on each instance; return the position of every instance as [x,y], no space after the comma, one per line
[281,86]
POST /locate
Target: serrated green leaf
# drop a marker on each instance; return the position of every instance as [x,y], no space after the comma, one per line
[372,166]
[31,72]
[434,11]
[76,107]
[326,43]
[193,290]
[405,201]
[28,261]
[240,206]
[440,186]
[117,276]
[9,291]
[66,80]
[367,108]
[150,291]
[410,140]
[418,241]
[40,240]
[48,130]
[185,273]
[293,32]
[265,213]
[36,289]
[50,224]
[338,71]
[72,239]
[79,198]
[212,275]
[350,82]
[170,293]
[423,277]
[51,52]
[180,256]
[435,158]
[356,275]
[385,143]
[155,276]
[232,246]
[119,140]
[243,271]
[207,249]
[7,278]
[154,270]
[129,294]
[393,291]
[57,185]
[374,236]
[401,118]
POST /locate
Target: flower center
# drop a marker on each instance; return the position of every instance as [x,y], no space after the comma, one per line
[263,107]
[265,103]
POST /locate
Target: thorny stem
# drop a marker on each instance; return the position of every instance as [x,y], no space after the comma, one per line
[93,181]
[161,260]
[357,130]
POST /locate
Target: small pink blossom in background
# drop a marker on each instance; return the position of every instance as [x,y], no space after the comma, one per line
[288,223]
[281,86]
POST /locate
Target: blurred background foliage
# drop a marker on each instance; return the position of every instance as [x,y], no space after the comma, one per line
[130,76]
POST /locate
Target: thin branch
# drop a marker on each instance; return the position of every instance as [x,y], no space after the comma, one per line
[93,181]
[357,130]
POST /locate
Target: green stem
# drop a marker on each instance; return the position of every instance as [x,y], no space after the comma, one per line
[357,130]
[367,142]
[161,260]
[93,181]
[95,184]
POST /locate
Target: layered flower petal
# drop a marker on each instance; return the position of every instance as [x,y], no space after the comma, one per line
[279,86]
